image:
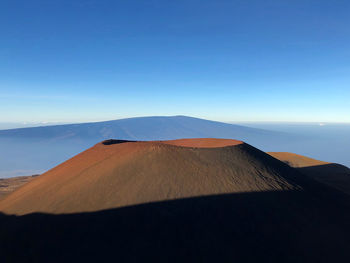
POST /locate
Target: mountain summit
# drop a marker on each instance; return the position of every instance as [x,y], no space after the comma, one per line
[118,173]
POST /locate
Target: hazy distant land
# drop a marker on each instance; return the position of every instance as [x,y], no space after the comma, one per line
[29,151]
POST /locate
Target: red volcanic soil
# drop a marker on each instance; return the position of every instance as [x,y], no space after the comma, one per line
[296,160]
[203,143]
[120,173]
[332,174]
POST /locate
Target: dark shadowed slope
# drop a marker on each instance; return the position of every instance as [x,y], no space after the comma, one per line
[332,174]
[278,226]
[119,173]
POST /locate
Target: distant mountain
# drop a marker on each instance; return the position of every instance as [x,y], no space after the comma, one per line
[28,151]
[17,125]
[142,128]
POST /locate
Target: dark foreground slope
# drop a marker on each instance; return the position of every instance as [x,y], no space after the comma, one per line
[288,226]
[175,201]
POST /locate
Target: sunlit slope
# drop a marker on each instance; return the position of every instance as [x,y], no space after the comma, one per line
[120,173]
[296,160]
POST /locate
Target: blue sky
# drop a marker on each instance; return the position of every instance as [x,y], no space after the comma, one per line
[73,61]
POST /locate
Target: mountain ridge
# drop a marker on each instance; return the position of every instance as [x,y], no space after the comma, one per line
[145,121]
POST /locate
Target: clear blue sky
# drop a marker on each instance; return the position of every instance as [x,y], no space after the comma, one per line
[225,60]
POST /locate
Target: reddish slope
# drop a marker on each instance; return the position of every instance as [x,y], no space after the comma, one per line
[332,174]
[296,160]
[118,173]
